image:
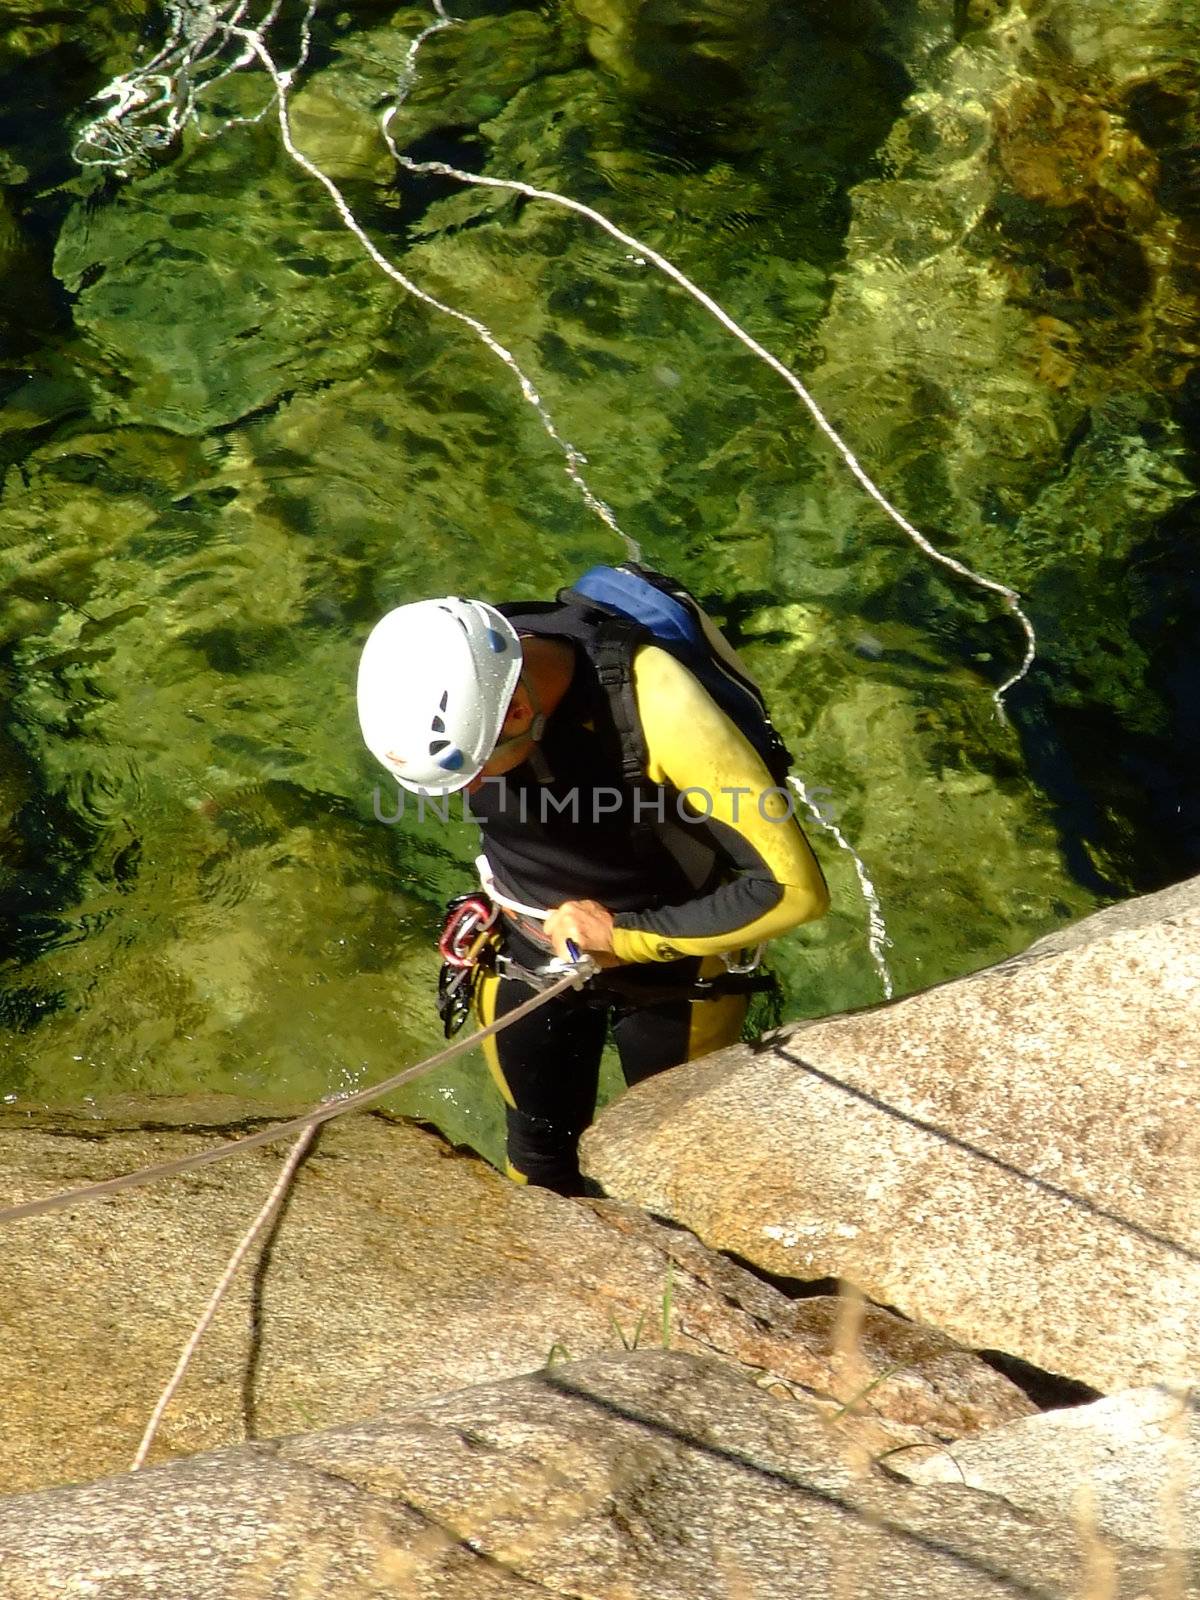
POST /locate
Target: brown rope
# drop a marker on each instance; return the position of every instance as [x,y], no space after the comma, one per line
[280,1130]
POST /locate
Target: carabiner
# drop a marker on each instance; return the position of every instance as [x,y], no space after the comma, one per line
[467,918]
[575,961]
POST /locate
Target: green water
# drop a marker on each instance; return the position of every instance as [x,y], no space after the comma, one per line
[229,443]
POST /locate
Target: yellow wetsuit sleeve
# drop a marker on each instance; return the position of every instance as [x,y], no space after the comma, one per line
[774,882]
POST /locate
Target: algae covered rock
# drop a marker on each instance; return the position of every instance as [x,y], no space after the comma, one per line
[214,311]
[227,278]
[1008,346]
[153,631]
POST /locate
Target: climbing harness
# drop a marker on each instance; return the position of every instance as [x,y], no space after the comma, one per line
[472,944]
[612,984]
[490,887]
[468,917]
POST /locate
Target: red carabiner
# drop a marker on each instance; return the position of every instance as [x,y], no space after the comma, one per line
[462,928]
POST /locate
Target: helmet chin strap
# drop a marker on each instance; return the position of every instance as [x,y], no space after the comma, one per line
[532,735]
[538,726]
[535,729]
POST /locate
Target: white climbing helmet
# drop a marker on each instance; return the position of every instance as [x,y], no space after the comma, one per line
[434,685]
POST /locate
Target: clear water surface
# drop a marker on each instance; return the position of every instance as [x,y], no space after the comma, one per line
[229,443]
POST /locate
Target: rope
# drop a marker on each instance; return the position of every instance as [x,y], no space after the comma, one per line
[279,1130]
[153,103]
[640,254]
[573,459]
[207,42]
[218,1294]
[878,939]
[1010,597]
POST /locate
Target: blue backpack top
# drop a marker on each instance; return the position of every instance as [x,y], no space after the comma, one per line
[613,610]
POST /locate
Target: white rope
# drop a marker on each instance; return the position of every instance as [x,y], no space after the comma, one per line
[1011,598]
[153,103]
[218,1294]
[878,940]
[573,459]
[643,252]
[408,72]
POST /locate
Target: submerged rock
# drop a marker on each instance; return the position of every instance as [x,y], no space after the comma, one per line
[1010,1157]
[1008,348]
[638,1474]
[398,1269]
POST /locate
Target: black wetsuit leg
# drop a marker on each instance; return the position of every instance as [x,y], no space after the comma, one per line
[662,1033]
[547,1068]
[651,1038]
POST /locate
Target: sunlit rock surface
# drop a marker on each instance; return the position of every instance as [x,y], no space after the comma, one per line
[398,1269]
[1129,1462]
[1011,1157]
[642,1473]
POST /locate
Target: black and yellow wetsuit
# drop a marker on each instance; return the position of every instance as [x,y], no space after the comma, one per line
[701,858]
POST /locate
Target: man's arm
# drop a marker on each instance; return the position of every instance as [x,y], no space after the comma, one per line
[775,882]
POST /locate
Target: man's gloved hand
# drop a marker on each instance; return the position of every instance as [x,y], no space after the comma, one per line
[586,923]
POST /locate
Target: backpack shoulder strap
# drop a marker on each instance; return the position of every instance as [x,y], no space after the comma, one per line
[612,649]
[609,642]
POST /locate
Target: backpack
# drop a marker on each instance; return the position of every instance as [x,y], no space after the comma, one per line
[613,610]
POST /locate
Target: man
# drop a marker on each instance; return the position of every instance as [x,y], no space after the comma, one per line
[655,875]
